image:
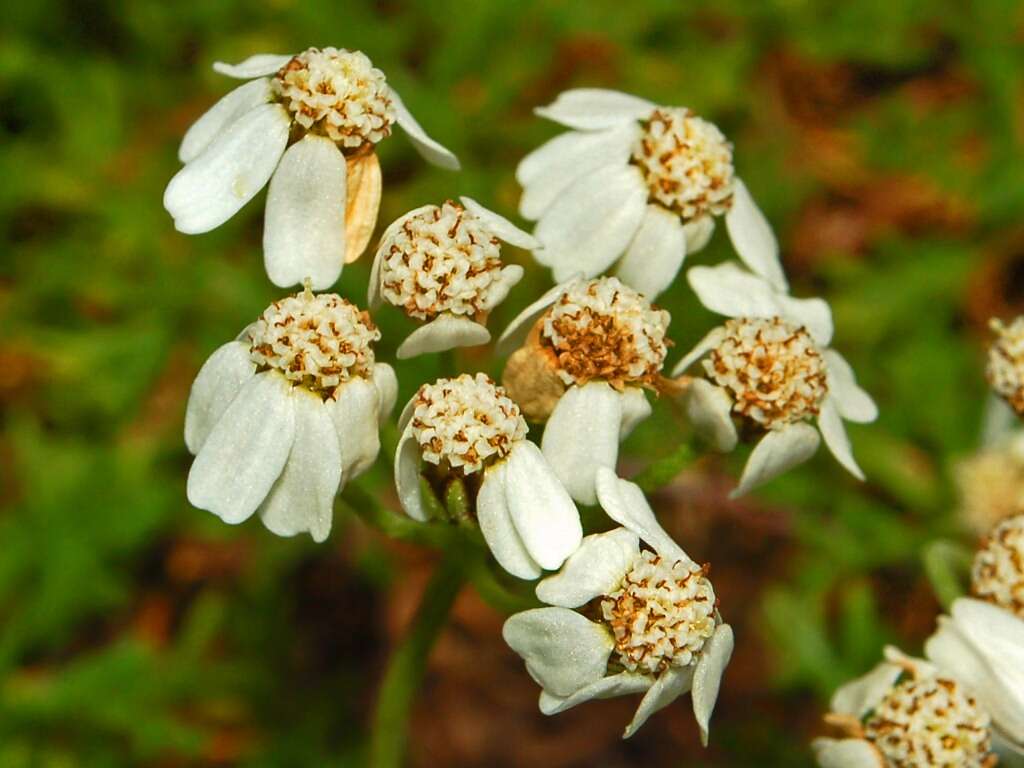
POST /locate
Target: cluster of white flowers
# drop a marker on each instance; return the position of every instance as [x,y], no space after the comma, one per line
[284,416]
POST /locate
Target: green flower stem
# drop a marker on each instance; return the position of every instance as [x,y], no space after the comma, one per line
[948,567]
[408,664]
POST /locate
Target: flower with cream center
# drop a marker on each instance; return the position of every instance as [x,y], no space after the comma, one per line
[636,186]
[981,642]
[1005,370]
[281,418]
[307,124]
[991,483]
[906,714]
[441,264]
[468,428]
[588,350]
[625,620]
[769,366]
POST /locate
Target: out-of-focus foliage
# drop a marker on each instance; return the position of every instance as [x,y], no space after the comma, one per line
[883,139]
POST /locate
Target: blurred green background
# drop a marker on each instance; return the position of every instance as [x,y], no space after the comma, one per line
[884,141]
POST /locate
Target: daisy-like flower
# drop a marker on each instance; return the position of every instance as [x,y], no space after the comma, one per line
[281,418]
[591,348]
[1005,370]
[308,124]
[981,643]
[770,368]
[442,264]
[905,714]
[625,620]
[639,185]
[468,428]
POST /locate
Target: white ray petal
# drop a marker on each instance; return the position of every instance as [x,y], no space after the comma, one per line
[496,525]
[302,499]
[258,65]
[444,332]
[596,568]
[582,434]
[499,226]
[563,650]
[728,289]
[635,408]
[846,753]
[542,512]
[592,222]
[386,383]
[709,409]
[860,696]
[222,114]
[752,237]
[831,425]
[518,329]
[218,381]
[590,109]
[407,475]
[707,677]
[625,503]
[229,172]
[304,228]
[498,290]
[622,684]
[853,403]
[656,254]
[777,451]
[669,686]
[698,232]
[429,149]
[549,170]
[354,412]
[713,338]
[246,451]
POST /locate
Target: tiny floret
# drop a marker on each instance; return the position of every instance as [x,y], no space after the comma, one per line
[466,422]
[316,341]
[686,163]
[929,722]
[1005,369]
[603,329]
[338,94]
[661,615]
[442,259]
[998,571]
[772,369]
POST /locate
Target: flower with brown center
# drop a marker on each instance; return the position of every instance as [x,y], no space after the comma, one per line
[625,620]
[282,417]
[442,264]
[905,714]
[592,348]
[468,428]
[308,125]
[638,186]
[997,574]
[1005,369]
[769,367]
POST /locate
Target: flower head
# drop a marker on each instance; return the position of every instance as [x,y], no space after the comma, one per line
[592,348]
[769,366]
[906,714]
[467,428]
[686,163]
[637,186]
[280,419]
[1005,369]
[625,620]
[991,484]
[997,574]
[338,94]
[442,264]
[307,124]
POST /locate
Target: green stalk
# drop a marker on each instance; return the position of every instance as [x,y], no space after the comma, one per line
[407,666]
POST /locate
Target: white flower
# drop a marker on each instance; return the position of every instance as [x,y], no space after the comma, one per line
[982,643]
[637,179]
[310,121]
[442,264]
[593,346]
[654,625]
[281,418]
[770,365]
[903,714]
[1005,370]
[469,428]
